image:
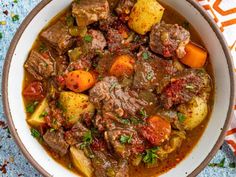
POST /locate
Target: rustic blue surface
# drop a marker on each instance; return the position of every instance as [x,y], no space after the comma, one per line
[11,159]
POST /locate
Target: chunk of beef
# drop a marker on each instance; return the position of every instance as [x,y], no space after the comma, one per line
[118,41]
[108,23]
[114,40]
[132,143]
[169,40]
[88,51]
[58,37]
[152,73]
[87,12]
[105,165]
[39,66]
[98,40]
[76,134]
[183,87]
[55,140]
[109,96]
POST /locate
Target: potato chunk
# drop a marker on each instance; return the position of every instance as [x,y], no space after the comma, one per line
[81,162]
[195,112]
[36,119]
[144,15]
[75,106]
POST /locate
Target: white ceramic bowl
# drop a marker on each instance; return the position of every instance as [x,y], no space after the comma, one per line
[222,68]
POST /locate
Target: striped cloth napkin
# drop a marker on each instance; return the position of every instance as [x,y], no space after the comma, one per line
[224,14]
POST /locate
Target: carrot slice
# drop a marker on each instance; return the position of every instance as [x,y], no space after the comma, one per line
[123,65]
[195,56]
[157,131]
[79,80]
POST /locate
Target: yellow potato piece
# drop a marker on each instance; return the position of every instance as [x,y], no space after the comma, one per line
[36,119]
[81,162]
[144,15]
[195,112]
[75,105]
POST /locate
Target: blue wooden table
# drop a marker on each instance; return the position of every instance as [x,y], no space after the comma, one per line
[12,162]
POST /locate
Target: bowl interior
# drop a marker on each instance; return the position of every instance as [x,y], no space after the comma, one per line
[215,126]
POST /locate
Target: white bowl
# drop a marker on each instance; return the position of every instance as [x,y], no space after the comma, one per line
[222,68]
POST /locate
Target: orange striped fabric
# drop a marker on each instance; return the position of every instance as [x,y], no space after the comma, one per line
[224,14]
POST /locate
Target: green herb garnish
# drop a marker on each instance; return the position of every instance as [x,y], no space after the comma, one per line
[15,18]
[15,1]
[113,86]
[45,113]
[181,117]
[70,21]
[35,133]
[232,165]
[88,38]
[125,139]
[221,164]
[31,107]
[145,55]
[125,121]
[150,156]
[150,75]
[0,35]
[143,113]
[88,137]
[42,48]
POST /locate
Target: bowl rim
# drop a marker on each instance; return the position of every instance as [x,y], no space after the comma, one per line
[17,37]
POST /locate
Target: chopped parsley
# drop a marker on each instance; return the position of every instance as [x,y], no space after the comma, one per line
[125,139]
[31,107]
[45,113]
[150,155]
[88,38]
[181,117]
[150,75]
[145,55]
[15,1]
[0,35]
[70,21]
[143,113]
[87,139]
[135,121]
[113,86]
[232,165]
[125,121]
[42,48]
[221,164]
[15,18]
[60,106]
[35,133]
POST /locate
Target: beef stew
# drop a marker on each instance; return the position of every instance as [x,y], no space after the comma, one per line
[112,90]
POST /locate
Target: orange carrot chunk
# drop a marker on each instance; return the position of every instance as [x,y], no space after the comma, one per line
[123,65]
[195,56]
[79,80]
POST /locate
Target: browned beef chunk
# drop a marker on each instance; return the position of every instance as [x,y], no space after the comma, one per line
[183,87]
[76,134]
[55,140]
[169,40]
[114,40]
[105,166]
[152,72]
[39,66]
[87,12]
[106,24]
[123,142]
[58,37]
[98,40]
[110,97]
